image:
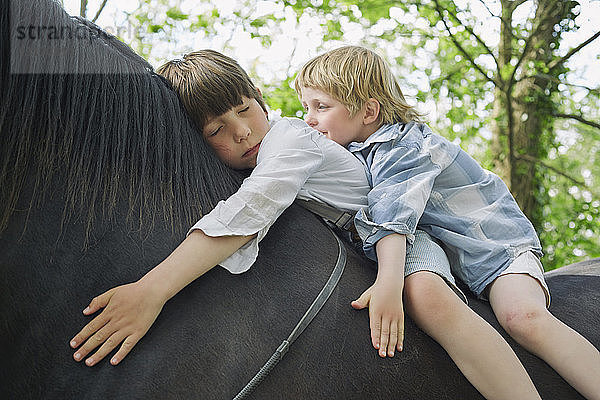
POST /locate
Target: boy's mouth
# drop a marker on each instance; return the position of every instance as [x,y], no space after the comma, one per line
[251,151]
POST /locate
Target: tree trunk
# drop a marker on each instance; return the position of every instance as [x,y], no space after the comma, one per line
[522,138]
[500,138]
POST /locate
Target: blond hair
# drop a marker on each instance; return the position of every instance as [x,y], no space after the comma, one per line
[209,84]
[352,75]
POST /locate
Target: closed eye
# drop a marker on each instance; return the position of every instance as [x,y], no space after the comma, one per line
[244,109]
[214,133]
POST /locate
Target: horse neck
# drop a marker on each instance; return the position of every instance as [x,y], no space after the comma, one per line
[115,137]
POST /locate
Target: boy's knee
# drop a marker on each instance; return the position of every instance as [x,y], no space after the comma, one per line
[523,323]
[424,295]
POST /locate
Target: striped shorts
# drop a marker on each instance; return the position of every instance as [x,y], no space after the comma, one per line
[426,255]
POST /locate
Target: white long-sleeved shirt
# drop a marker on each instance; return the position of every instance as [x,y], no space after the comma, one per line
[294,161]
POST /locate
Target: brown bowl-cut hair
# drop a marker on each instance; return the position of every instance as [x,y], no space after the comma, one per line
[209,84]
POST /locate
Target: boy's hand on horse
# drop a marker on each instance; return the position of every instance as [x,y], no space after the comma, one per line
[129,311]
[386,315]
[384,297]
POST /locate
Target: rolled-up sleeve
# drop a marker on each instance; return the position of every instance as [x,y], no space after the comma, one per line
[402,179]
[288,156]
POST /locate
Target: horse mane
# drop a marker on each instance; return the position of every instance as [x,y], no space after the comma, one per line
[85,112]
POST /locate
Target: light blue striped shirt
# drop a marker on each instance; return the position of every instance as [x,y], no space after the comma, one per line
[421,179]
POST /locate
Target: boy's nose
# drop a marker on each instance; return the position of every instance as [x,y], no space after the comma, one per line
[242,133]
[310,120]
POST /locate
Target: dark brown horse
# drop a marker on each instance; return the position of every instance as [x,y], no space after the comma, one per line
[101,173]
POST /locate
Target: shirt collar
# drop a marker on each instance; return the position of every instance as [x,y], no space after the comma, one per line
[384,134]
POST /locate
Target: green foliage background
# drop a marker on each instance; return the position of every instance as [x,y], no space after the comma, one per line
[412,37]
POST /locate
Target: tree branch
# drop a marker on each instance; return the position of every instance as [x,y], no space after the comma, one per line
[83,8]
[561,60]
[526,49]
[472,33]
[528,44]
[512,154]
[289,72]
[99,10]
[500,83]
[446,77]
[512,34]
[533,160]
[483,3]
[556,80]
[578,118]
[517,3]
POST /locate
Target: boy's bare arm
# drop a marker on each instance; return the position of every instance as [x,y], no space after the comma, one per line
[130,310]
[384,297]
[196,255]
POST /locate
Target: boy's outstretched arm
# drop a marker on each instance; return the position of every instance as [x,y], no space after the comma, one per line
[384,297]
[130,310]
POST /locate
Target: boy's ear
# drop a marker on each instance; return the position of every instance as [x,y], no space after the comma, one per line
[371,111]
[261,96]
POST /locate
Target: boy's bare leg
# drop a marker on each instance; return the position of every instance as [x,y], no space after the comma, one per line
[479,351]
[520,306]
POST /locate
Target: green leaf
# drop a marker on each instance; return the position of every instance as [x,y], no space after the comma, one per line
[176,14]
[155,28]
